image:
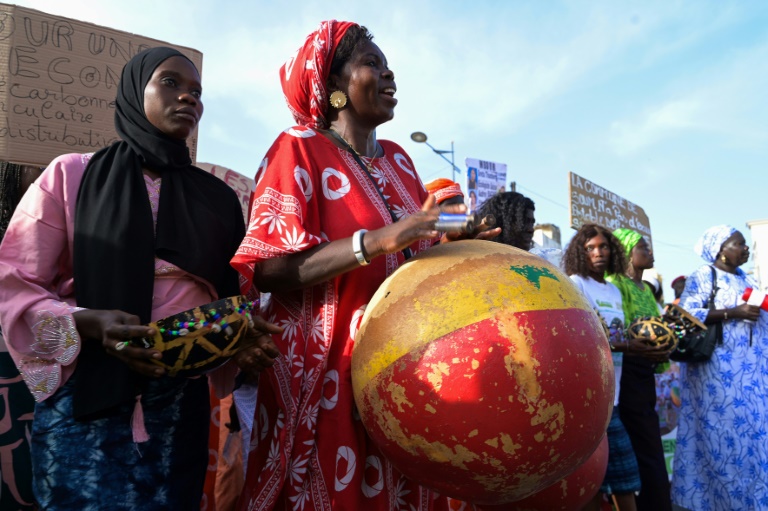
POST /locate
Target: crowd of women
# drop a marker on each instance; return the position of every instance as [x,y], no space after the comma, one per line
[720,459]
[101,245]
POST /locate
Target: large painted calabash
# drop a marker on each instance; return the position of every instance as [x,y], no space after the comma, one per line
[200,339]
[571,493]
[480,371]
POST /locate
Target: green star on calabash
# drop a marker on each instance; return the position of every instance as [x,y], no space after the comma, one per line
[534,274]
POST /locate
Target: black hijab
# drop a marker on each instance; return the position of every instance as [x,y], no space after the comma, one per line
[199,227]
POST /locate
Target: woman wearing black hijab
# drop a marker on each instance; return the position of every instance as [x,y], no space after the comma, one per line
[99,246]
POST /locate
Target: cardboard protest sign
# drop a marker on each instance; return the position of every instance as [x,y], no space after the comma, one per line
[591,203]
[58,82]
[242,185]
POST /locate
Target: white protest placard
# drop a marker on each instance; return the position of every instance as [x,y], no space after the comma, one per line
[484,180]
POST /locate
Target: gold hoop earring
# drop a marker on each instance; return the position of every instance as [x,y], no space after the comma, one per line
[723,258]
[338,99]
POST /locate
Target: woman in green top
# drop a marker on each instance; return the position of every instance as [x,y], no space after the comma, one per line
[637,394]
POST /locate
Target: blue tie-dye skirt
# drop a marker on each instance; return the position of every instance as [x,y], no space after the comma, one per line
[96,465]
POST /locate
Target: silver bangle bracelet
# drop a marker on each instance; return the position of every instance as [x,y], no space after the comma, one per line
[357,247]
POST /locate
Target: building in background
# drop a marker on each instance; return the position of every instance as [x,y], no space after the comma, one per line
[546,243]
[547,236]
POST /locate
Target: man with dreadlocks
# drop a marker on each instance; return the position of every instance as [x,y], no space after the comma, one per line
[15,463]
[514,213]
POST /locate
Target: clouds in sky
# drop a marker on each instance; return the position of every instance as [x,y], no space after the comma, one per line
[643,98]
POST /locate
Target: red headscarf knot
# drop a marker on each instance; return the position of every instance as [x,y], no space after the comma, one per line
[303,77]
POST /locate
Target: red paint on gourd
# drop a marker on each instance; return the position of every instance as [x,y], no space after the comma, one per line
[499,408]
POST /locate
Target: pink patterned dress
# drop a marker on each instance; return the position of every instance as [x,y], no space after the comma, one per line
[37,293]
[37,286]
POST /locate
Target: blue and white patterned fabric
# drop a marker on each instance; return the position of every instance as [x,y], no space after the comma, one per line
[710,242]
[721,460]
[97,467]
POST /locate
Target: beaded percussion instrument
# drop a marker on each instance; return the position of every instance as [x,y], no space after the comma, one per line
[681,322]
[200,339]
[653,331]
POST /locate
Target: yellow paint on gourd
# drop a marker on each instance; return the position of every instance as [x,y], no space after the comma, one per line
[521,484]
[521,365]
[508,445]
[551,415]
[397,394]
[417,445]
[519,361]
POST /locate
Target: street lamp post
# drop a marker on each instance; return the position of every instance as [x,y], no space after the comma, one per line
[421,138]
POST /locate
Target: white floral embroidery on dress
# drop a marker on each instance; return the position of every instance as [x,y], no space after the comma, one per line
[273,219]
[41,376]
[379,176]
[56,337]
[399,211]
[293,241]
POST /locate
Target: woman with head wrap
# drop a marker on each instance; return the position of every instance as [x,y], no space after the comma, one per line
[101,244]
[335,211]
[637,397]
[721,459]
[514,213]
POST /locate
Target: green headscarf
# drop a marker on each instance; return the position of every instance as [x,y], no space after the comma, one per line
[628,239]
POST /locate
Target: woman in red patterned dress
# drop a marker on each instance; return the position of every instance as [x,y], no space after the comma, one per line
[334,213]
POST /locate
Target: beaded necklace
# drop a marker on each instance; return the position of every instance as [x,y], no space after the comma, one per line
[369,168]
[367,161]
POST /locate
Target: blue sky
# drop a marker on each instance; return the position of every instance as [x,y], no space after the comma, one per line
[663,103]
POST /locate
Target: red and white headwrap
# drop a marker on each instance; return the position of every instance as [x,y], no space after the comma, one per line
[443,189]
[303,77]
